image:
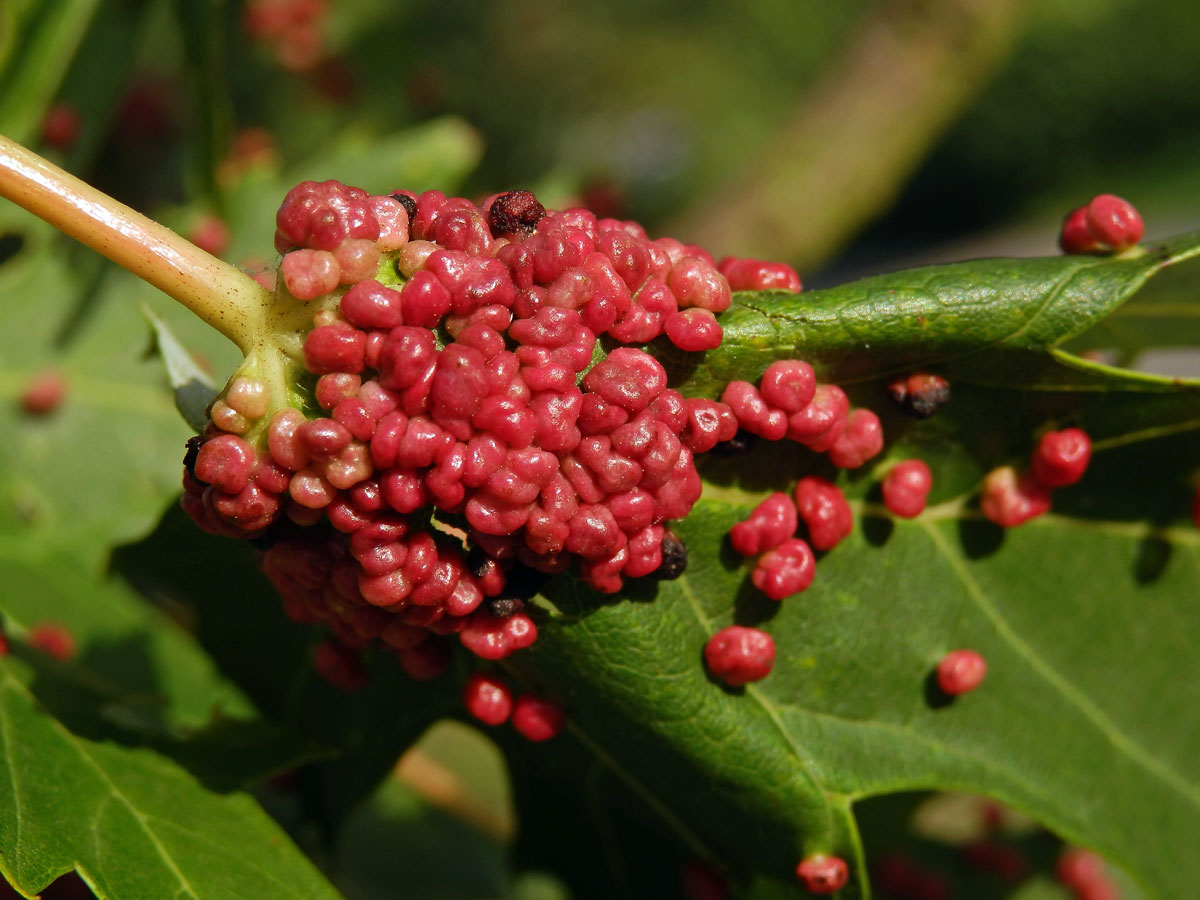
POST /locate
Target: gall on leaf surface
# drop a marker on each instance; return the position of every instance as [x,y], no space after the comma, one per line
[1085,616]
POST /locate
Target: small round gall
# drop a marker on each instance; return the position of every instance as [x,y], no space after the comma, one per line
[823,507]
[960,671]
[786,570]
[1085,873]
[1062,457]
[906,487]
[860,440]
[488,699]
[1113,220]
[739,655]
[821,874]
[694,330]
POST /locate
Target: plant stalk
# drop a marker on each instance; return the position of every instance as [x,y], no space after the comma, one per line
[223,296]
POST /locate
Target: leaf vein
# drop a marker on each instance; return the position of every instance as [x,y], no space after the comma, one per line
[1072,694]
[114,791]
[766,704]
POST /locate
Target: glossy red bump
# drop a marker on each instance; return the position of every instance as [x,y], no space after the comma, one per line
[1062,457]
[961,671]
[1112,220]
[905,488]
[738,655]
[821,874]
[488,699]
[786,570]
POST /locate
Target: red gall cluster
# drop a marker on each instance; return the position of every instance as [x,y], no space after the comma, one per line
[960,672]
[784,564]
[822,874]
[1011,498]
[788,403]
[453,352]
[1108,224]
[293,30]
[1085,875]
[490,700]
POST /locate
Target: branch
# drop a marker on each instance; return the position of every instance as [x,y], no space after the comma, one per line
[845,153]
[227,299]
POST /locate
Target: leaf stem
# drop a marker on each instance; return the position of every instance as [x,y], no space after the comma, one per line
[223,296]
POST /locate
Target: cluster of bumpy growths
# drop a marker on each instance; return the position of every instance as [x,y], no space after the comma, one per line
[451,432]
[470,435]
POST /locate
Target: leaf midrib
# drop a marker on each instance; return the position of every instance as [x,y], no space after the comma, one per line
[766,704]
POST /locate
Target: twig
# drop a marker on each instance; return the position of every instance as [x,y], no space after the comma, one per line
[227,299]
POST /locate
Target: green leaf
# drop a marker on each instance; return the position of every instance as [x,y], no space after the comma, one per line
[100,468]
[399,837]
[126,649]
[1084,615]
[133,823]
[238,619]
[138,675]
[1165,313]
[962,312]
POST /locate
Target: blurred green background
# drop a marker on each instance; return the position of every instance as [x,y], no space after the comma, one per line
[881,132]
[842,136]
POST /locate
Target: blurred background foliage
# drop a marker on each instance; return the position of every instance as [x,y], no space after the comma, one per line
[654,109]
[888,132]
